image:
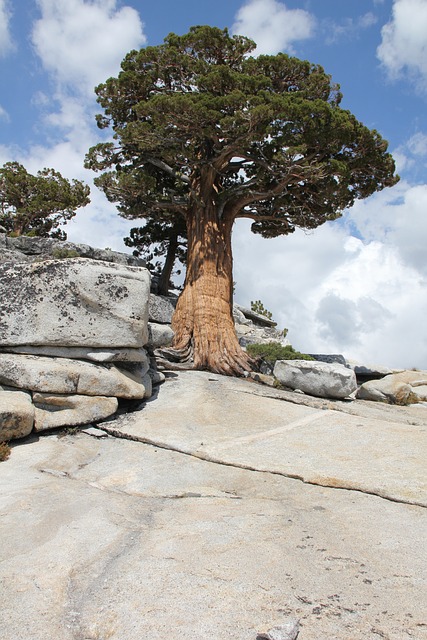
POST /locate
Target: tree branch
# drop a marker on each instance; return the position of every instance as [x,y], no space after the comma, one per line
[167,169]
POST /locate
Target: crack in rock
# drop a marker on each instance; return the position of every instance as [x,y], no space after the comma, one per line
[343,486]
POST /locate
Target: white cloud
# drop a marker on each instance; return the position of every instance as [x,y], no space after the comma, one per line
[6,43]
[417,144]
[397,218]
[82,43]
[272,25]
[404,42]
[357,287]
[348,28]
[4,115]
[411,157]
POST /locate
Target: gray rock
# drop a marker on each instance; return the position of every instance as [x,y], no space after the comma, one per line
[399,388]
[365,372]
[26,248]
[63,376]
[157,377]
[16,415]
[95,433]
[262,378]
[6,255]
[239,317]
[82,353]
[316,378]
[256,317]
[148,385]
[74,303]
[159,335]
[52,410]
[286,631]
[330,358]
[161,308]
[111,538]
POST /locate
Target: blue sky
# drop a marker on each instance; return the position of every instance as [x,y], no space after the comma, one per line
[356,286]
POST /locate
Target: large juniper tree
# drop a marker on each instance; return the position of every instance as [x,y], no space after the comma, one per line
[206,133]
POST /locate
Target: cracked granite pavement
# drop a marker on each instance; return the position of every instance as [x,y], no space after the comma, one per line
[220,508]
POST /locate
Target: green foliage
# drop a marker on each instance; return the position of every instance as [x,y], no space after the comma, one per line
[160,244]
[258,307]
[38,205]
[273,351]
[60,254]
[4,451]
[198,119]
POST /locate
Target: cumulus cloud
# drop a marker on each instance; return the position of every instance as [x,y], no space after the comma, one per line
[417,144]
[348,28]
[396,218]
[403,48]
[82,43]
[356,286]
[273,26]
[343,320]
[5,37]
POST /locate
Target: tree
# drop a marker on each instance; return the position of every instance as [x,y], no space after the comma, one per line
[205,133]
[258,307]
[156,239]
[38,205]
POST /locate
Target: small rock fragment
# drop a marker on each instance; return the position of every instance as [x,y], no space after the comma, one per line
[287,631]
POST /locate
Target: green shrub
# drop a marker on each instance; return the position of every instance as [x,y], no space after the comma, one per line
[273,351]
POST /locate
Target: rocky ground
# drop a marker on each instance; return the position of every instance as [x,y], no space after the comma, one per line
[220,509]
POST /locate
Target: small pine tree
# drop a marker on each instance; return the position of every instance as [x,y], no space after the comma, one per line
[258,307]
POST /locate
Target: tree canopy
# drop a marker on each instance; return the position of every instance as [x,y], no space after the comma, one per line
[38,205]
[208,134]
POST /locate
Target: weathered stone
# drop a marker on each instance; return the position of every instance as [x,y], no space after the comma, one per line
[316,378]
[60,375]
[16,415]
[95,432]
[159,335]
[255,334]
[398,388]
[258,318]
[365,372]
[161,308]
[262,378]
[330,358]
[6,255]
[52,410]
[287,631]
[157,377]
[74,303]
[101,538]
[148,385]
[82,353]
[239,317]
[25,248]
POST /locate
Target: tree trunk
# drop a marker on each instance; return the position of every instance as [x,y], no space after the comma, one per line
[203,320]
[166,273]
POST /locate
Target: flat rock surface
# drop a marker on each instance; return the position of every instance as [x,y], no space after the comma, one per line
[120,539]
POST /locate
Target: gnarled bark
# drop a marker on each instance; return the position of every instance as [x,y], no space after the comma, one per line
[203,320]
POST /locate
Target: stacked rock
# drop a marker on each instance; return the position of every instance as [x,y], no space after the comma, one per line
[74,338]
